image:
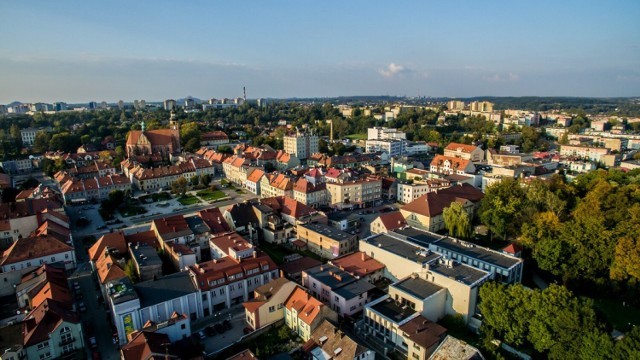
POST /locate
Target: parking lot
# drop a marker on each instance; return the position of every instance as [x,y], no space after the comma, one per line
[217,341]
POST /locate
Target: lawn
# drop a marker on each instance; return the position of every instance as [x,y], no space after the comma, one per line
[357,137]
[278,252]
[188,200]
[208,195]
[621,317]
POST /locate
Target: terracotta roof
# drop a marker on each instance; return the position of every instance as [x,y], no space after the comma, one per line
[461,147]
[433,203]
[252,306]
[108,268]
[305,186]
[392,220]
[282,156]
[334,339]
[28,207]
[172,226]
[54,229]
[214,135]
[512,249]
[255,175]
[358,264]
[53,291]
[24,194]
[214,219]
[424,332]
[144,237]
[45,319]
[456,163]
[307,306]
[266,291]
[231,240]
[243,355]
[147,346]
[281,182]
[113,240]
[217,269]
[288,206]
[32,248]
[155,137]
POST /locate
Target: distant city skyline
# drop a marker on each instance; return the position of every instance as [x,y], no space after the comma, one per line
[78,51]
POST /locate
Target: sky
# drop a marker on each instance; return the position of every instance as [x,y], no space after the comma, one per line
[79,51]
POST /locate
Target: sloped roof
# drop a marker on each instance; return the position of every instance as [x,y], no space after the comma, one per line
[456,163]
[255,175]
[32,248]
[358,264]
[45,319]
[461,147]
[433,203]
[113,240]
[423,332]
[146,346]
[307,307]
[392,220]
[214,219]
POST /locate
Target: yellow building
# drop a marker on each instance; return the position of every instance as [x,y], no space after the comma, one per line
[358,193]
[327,241]
[268,303]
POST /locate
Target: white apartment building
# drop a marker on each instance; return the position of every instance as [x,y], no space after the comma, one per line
[391,147]
[384,133]
[302,145]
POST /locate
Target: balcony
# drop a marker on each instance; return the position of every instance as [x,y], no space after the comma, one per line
[67,341]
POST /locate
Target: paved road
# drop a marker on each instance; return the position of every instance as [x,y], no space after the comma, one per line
[96,316]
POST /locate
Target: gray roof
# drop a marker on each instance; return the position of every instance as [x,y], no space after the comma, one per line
[415,253]
[478,252]
[354,289]
[197,225]
[145,255]
[459,272]
[121,290]
[166,288]
[417,287]
[392,311]
[328,231]
[328,275]
[421,236]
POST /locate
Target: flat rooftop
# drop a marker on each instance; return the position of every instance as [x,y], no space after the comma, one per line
[330,275]
[145,255]
[415,253]
[328,231]
[392,311]
[169,287]
[417,287]
[354,289]
[459,272]
[422,237]
[477,252]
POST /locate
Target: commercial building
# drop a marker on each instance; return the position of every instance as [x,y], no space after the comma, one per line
[326,241]
[354,193]
[384,133]
[393,148]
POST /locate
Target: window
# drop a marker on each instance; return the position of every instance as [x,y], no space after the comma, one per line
[314,285]
[43,345]
[68,348]
[183,326]
[279,306]
[272,309]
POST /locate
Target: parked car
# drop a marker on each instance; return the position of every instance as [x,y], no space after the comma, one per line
[227,324]
[201,335]
[93,342]
[220,328]
[76,285]
[82,307]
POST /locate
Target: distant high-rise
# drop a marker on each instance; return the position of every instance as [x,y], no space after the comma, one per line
[169,104]
[139,104]
[189,103]
[120,104]
[261,102]
[302,145]
[455,105]
[482,106]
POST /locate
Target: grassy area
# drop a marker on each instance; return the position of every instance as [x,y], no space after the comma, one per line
[357,137]
[621,317]
[278,252]
[208,195]
[163,196]
[188,200]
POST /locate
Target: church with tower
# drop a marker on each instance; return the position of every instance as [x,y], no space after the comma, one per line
[160,141]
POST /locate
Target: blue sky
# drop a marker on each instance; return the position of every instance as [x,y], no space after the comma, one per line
[86,50]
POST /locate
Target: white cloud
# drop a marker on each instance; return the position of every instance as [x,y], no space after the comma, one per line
[501,77]
[393,70]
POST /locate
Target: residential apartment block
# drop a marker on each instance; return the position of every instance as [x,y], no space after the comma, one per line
[326,241]
[301,145]
[355,193]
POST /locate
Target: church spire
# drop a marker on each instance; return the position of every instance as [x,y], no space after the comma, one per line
[143,126]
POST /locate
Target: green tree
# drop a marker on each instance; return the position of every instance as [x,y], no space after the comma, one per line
[205,179]
[131,272]
[457,221]
[501,208]
[179,186]
[41,142]
[195,181]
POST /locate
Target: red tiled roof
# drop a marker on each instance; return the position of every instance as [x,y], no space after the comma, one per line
[113,240]
[32,248]
[512,249]
[155,137]
[255,175]
[221,268]
[214,219]
[288,206]
[358,264]
[307,306]
[433,203]
[231,240]
[456,163]
[461,147]
[393,220]
[144,237]
[44,320]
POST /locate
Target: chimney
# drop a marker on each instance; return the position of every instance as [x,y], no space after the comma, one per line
[255,254]
[363,256]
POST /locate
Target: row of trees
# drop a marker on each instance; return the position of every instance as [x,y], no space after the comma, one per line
[583,232]
[550,323]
